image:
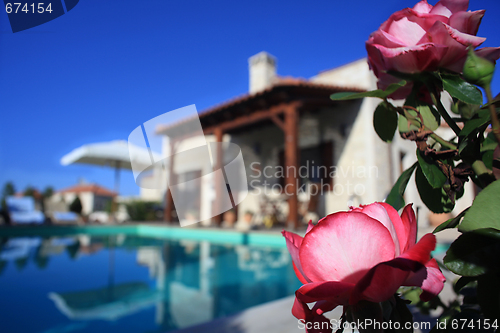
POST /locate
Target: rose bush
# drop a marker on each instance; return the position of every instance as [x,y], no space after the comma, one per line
[364,254]
[426,38]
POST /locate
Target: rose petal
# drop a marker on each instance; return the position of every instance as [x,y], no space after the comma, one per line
[375,59]
[462,38]
[399,225]
[424,20]
[410,224]
[412,59]
[379,212]
[429,278]
[384,279]
[299,274]
[467,22]
[301,311]
[332,291]
[385,80]
[384,38]
[456,43]
[490,53]
[319,324]
[323,306]
[449,7]
[421,251]
[422,7]
[406,31]
[310,226]
[293,243]
[343,246]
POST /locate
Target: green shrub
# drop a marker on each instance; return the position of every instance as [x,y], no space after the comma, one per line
[144,210]
[76,206]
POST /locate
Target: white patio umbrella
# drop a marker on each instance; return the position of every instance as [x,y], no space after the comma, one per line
[118,154]
[108,303]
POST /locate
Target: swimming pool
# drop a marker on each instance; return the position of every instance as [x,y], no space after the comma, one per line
[135,280]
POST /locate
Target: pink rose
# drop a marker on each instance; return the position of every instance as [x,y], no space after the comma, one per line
[366,253]
[426,38]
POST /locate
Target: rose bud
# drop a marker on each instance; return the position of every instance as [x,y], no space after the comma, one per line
[477,70]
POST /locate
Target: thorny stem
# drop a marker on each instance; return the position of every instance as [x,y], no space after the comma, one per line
[495,124]
[443,142]
[433,135]
[479,168]
[442,111]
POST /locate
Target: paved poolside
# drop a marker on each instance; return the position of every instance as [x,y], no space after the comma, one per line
[275,316]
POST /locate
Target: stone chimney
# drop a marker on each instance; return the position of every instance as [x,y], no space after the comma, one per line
[262,70]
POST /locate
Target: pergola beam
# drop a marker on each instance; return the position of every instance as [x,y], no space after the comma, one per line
[219,180]
[169,201]
[292,162]
[252,118]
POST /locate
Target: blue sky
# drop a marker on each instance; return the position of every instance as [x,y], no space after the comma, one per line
[105,67]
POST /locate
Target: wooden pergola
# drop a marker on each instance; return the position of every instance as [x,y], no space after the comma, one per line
[281,105]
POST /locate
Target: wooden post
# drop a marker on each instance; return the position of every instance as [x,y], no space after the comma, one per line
[292,164]
[219,180]
[169,201]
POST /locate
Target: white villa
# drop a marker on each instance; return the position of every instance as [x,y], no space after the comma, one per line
[286,123]
[92,196]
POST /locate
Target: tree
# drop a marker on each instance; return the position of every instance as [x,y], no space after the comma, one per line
[47,193]
[8,190]
[30,192]
[76,206]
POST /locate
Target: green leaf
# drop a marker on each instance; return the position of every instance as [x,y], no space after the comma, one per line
[417,78]
[461,89]
[435,199]
[481,118]
[462,282]
[490,143]
[432,172]
[430,117]
[466,110]
[451,223]
[485,210]
[488,295]
[395,197]
[385,122]
[342,96]
[402,315]
[363,310]
[403,125]
[487,158]
[474,253]
[411,294]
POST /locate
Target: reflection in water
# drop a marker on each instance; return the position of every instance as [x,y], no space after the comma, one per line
[3,264]
[186,282]
[109,303]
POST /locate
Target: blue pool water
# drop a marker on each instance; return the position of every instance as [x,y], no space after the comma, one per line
[125,283]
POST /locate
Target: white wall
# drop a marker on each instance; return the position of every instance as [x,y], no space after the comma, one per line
[86,198]
[355,74]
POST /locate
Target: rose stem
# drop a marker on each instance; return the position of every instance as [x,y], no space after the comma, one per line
[480,168]
[442,111]
[495,124]
[433,135]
